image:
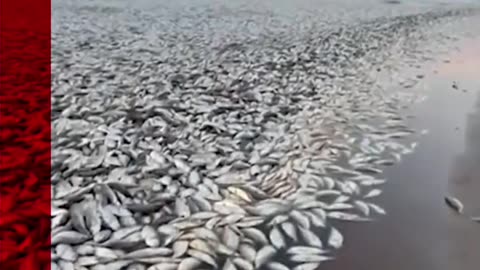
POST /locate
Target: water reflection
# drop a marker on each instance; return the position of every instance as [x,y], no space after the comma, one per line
[420,231]
[464,183]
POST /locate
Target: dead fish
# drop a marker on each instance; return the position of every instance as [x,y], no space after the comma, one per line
[276,266]
[226,207]
[231,219]
[242,264]
[181,165]
[156,260]
[87,261]
[118,210]
[204,215]
[377,209]
[181,208]
[222,249]
[109,219]
[66,265]
[102,236]
[264,255]
[187,224]
[306,258]
[345,216]
[149,252]
[290,230]
[363,207]
[136,266]
[454,204]
[190,263]
[311,204]
[247,251]
[66,252]
[85,249]
[307,266]
[163,266]
[335,238]
[305,250]
[256,235]
[373,193]
[106,253]
[300,219]
[54,266]
[202,246]
[372,182]
[202,257]
[228,265]
[77,216]
[150,235]
[277,220]
[230,238]
[179,248]
[240,193]
[268,209]
[250,222]
[194,178]
[310,238]
[116,265]
[204,233]
[276,238]
[69,237]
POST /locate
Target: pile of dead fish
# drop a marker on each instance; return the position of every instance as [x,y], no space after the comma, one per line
[241,161]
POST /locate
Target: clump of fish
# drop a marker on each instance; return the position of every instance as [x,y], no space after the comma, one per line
[166,160]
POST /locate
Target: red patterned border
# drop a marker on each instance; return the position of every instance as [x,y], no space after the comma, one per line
[25,134]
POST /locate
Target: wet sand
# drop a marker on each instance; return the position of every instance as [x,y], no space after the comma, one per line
[420,231]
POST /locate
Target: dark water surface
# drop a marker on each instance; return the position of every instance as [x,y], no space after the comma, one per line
[419,231]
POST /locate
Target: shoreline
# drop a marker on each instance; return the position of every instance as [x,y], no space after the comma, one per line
[420,231]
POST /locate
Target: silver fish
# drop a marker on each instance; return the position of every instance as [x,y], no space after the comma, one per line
[66,252]
[69,237]
[373,193]
[363,207]
[345,216]
[179,248]
[276,238]
[242,264]
[309,258]
[163,266]
[276,266]
[109,219]
[150,235]
[256,235]
[289,230]
[149,252]
[228,265]
[454,204]
[310,238]
[305,250]
[377,209]
[264,255]
[105,253]
[307,266]
[335,238]
[300,219]
[202,246]
[203,257]
[247,251]
[230,238]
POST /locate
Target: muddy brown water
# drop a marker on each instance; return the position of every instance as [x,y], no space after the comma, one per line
[420,232]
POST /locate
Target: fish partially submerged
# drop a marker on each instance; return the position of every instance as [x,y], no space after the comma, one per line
[454,204]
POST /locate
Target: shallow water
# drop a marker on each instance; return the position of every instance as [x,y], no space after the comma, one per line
[419,231]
